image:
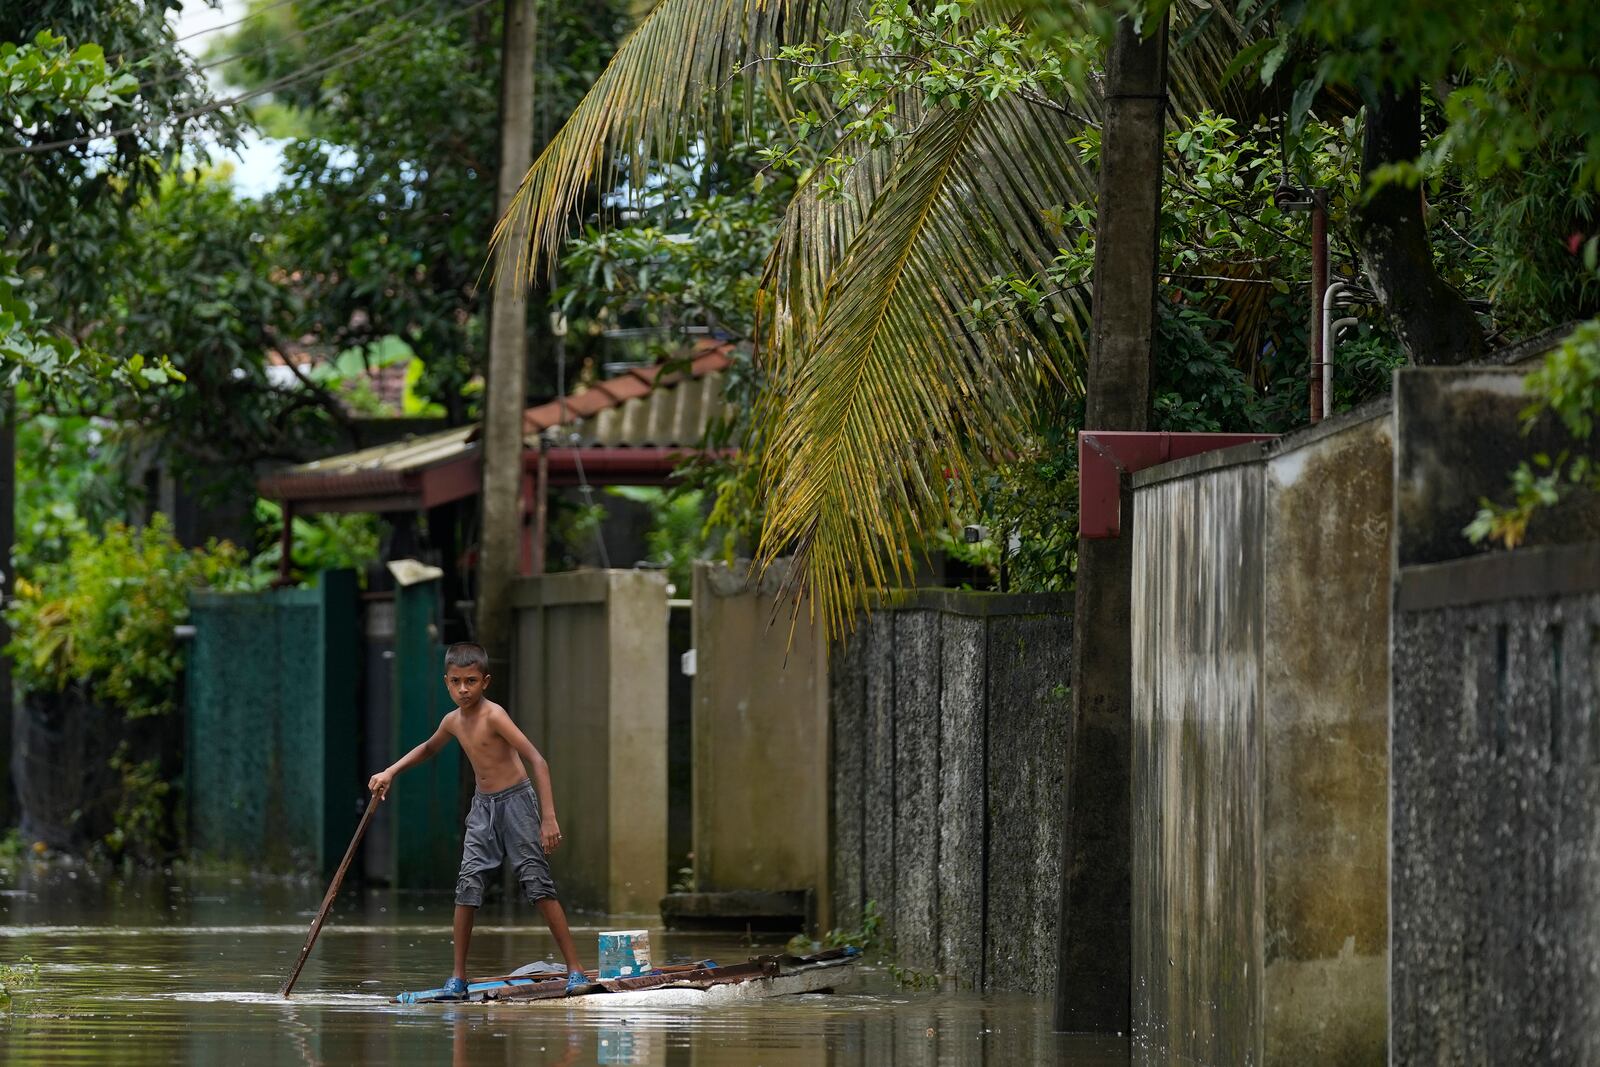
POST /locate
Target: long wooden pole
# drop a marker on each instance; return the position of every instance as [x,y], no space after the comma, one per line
[327,901]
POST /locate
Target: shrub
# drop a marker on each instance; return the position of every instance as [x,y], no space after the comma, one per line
[104,616]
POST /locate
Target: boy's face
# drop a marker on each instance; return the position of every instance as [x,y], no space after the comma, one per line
[466,685]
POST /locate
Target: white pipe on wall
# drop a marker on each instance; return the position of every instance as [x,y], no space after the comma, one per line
[1325,357]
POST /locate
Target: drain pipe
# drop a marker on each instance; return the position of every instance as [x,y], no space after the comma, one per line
[1332,342]
[1322,373]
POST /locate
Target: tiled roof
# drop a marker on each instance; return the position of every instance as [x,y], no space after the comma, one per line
[666,409]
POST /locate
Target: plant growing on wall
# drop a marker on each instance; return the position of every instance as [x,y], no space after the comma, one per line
[1567,387]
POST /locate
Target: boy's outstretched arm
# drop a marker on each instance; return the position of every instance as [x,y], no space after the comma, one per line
[379,783]
[549,830]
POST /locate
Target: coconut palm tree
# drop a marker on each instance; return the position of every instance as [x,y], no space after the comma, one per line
[886,398]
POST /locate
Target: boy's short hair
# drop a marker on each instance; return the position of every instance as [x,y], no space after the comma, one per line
[466,654]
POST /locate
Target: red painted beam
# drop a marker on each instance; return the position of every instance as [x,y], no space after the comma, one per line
[1104,456]
[613,465]
[461,477]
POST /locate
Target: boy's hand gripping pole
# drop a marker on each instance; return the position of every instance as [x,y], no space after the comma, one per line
[333,891]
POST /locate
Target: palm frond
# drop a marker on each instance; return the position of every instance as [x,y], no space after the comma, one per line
[883,414]
[886,403]
[669,78]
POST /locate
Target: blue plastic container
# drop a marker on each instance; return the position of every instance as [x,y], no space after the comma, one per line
[624,953]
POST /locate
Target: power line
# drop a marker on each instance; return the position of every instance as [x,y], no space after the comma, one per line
[257,13]
[323,66]
[269,46]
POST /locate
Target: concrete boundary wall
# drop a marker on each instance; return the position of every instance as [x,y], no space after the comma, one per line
[1260,750]
[1496,782]
[950,712]
[589,678]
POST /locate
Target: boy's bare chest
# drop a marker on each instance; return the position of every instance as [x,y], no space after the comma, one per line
[480,740]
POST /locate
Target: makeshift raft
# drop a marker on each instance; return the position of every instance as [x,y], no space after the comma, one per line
[705,982]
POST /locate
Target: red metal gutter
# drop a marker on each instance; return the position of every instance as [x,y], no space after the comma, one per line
[1104,456]
[618,465]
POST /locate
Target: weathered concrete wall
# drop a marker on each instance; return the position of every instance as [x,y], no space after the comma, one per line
[1460,434]
[760,740]
[1328,545]
[949,735]
[1261,750]
[1496,782]
[590,691]
[1197,725]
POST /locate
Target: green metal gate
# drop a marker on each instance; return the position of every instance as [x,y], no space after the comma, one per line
[271,729]
[426,805]
[276,768]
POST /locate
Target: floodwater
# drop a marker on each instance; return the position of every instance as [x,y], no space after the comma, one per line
[163,969]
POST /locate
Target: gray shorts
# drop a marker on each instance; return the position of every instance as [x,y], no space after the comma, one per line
[503,827]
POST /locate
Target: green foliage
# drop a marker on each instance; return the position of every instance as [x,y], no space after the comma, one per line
[574,531]
[1512,129]
[1029,505]
[139,825]
[1567,387]
[676,535]
[864,938]
[693,257]
[1513,77]
[62,209]
[869,81]
[14,977]
[910,978]
[322,542]
[42,84]
[730,482]
[197,283]
[389,197]
[69,479]
[46,80]
[104,615]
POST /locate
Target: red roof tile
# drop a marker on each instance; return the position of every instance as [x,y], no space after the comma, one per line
[632,384]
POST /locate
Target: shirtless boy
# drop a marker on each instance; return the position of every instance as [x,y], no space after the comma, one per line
[503,824]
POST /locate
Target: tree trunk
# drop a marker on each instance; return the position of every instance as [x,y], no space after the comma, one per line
[1431,319]
[1093,959]
[508,357]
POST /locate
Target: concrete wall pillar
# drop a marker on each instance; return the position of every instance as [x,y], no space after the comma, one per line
[761,741]
[590,677]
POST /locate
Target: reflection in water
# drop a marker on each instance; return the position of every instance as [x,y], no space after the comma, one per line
[187,973]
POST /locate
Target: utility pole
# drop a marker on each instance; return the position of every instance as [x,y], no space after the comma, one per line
[1094,958]
[9,809]
[500,543]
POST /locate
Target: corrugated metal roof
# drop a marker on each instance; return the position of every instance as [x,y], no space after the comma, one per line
[408,454]
[642,408]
